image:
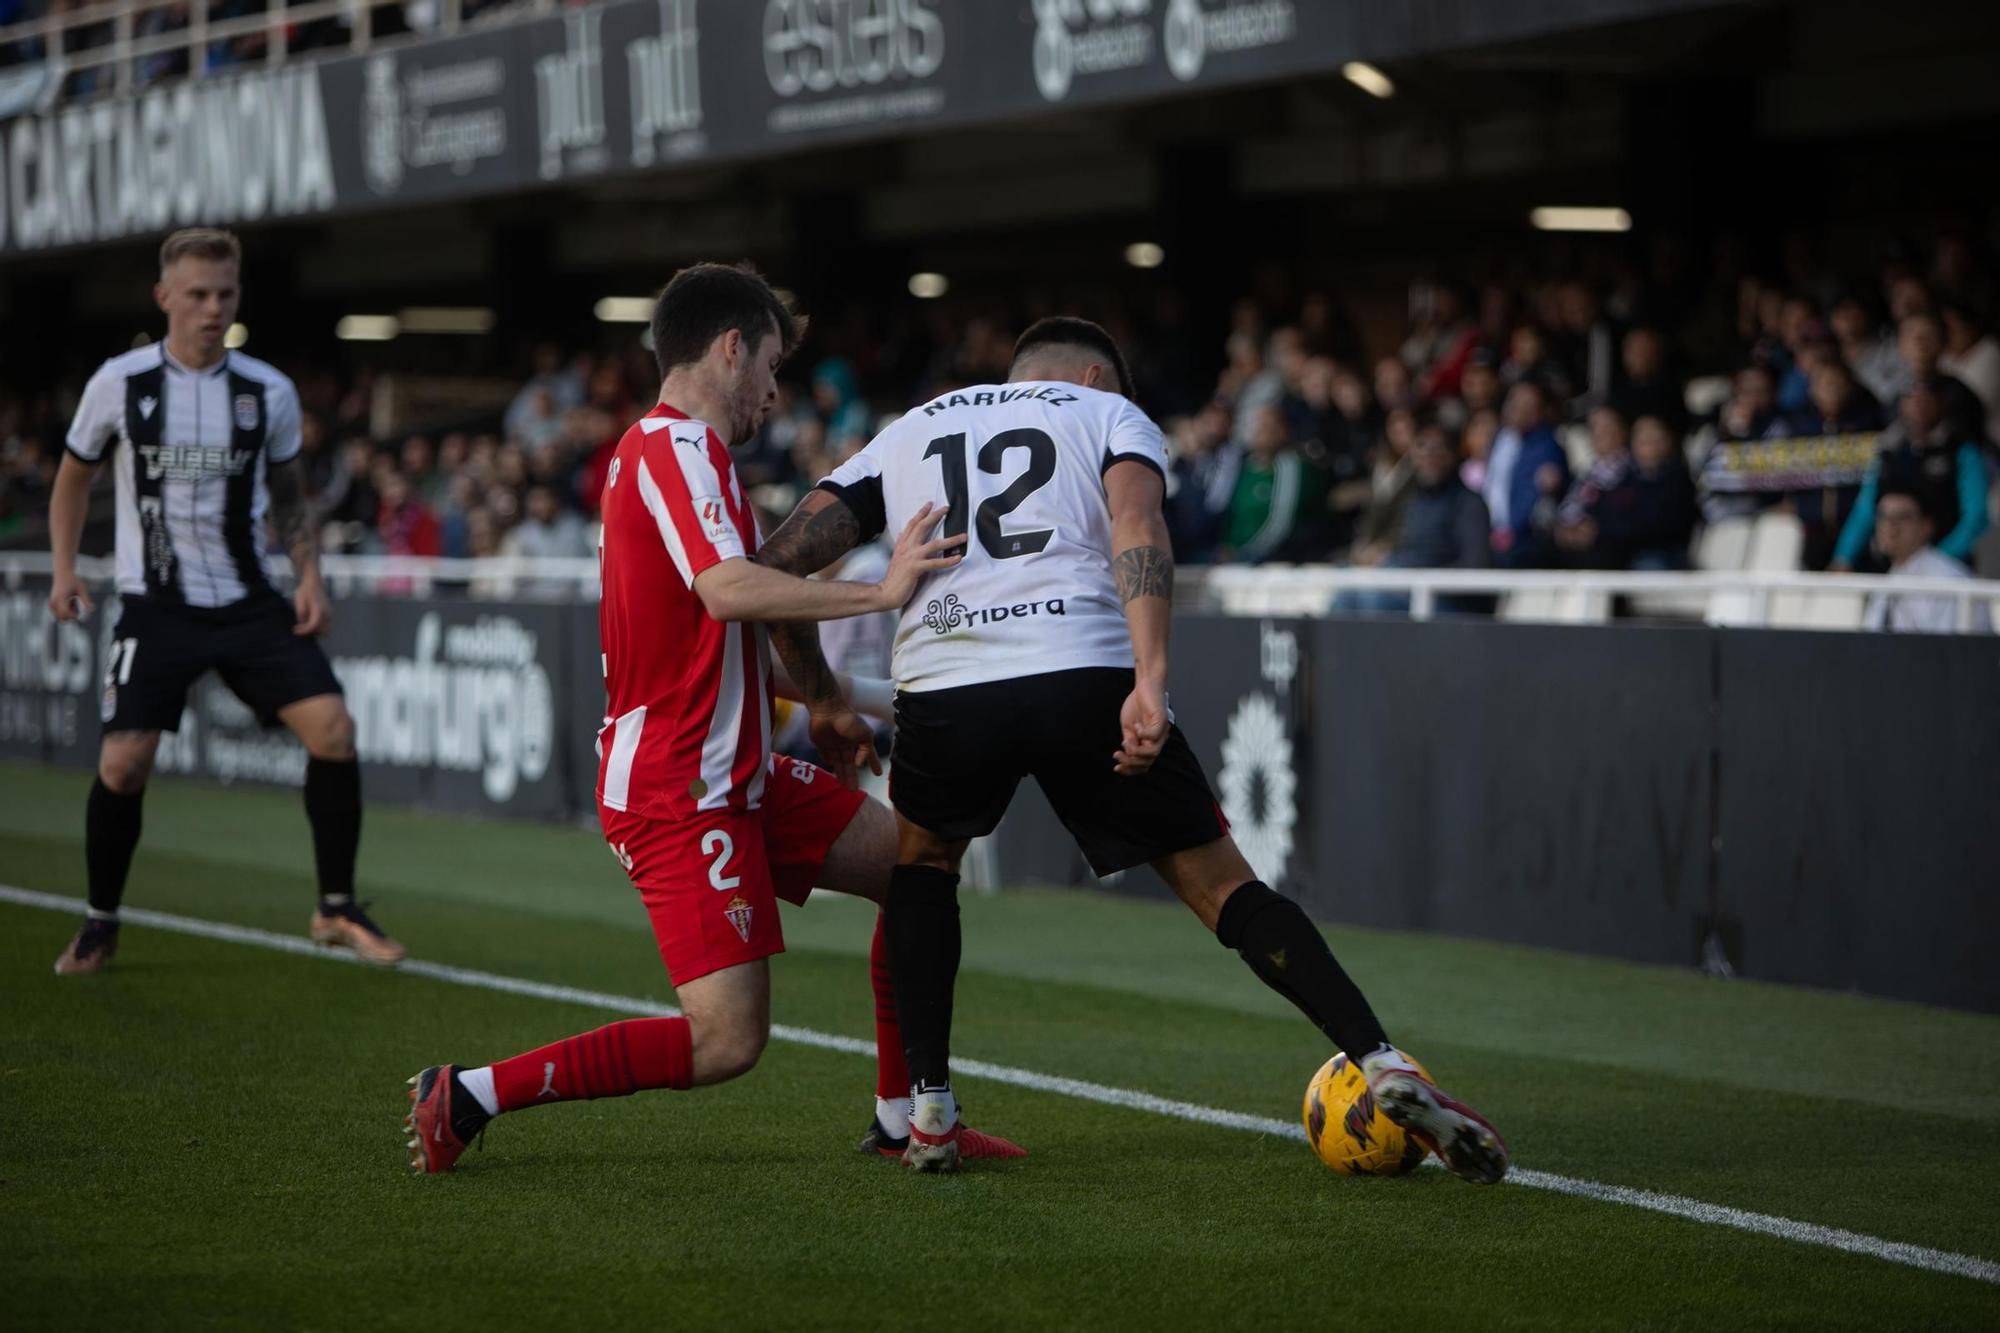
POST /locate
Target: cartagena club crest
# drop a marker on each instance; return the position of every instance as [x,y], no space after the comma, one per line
[246,411]
[738,912]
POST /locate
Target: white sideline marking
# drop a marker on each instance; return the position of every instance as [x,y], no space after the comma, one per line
[1673,1205]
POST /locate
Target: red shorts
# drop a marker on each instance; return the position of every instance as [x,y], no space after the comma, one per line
[711,884]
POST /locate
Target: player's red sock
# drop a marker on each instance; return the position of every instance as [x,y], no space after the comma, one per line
[615,1060]
[892,1076]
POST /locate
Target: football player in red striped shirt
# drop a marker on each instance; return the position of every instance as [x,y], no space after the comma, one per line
[711,826]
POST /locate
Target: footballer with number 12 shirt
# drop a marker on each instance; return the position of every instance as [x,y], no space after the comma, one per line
[710,825]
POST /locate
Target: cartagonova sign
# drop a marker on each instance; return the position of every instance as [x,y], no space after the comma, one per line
[227,150]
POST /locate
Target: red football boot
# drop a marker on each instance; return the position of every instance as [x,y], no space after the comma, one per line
[434,1145]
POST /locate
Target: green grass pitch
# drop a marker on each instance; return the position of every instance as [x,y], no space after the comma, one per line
[206,1135]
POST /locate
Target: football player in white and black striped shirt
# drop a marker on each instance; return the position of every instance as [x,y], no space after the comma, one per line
[204,442]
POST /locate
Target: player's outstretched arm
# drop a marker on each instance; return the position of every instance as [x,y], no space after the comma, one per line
[292,517]
[752,590]
[1142,562]
[69,501]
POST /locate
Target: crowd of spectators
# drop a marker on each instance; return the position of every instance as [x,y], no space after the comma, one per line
[1541,425]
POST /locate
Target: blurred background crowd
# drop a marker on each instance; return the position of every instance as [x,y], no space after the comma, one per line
[1585,419]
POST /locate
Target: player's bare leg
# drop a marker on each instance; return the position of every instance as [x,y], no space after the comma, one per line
[861,862]
[724,1025]
[111,823]
[333,808]
[923,937]
[1287,952]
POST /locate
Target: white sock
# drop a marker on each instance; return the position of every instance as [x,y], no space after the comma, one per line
[92,914]
[925,1100]
[893,1115]
[479,1082]
[335,899]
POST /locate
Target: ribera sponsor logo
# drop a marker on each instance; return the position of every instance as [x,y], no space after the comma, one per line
[224,150]
[1078,38]
[949,613]
[471,698]
[569,100]
[845,62]
[665,83]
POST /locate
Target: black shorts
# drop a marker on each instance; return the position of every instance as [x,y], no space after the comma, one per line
[160,650]
[961,752]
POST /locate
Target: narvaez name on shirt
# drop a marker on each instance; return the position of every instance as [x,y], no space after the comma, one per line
[1048,393]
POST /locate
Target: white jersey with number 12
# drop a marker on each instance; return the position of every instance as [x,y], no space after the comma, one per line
[1022,468]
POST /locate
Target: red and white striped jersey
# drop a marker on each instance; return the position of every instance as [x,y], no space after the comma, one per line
[687,723]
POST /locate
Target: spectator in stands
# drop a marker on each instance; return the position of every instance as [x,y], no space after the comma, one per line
[1275,498]
[1752,410]
[1903,531]
[171,63]
[1635,508]
[1477,447]
[404,523]
[1438,355]
[1584,343]
[418,457]
[1835,404]
[1529,358]
[1972,356]
[455,515]
[547,531]
[1799,329]
[350,499]
[1605,486]
[1444,526]
[1920,343]
[1872,356]
[1200,483]
[1644,387]
[1526,477]
[1478,391]
[1657,527]
[1923,452]
[1390,479]
[1393,386]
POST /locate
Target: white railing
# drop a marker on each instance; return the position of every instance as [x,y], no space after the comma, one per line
[126,47]
[1778,600]
[1734,598]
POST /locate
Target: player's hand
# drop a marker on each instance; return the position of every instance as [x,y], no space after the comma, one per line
[1143,724]
[845,742]
[315,613]
[69,599]
[917,553]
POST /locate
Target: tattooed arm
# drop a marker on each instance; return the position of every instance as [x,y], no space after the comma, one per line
[1142,561]
[298,532]
[820,531]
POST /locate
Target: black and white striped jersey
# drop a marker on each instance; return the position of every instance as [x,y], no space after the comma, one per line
[190,472]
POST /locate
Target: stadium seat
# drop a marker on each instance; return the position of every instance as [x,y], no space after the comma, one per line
[1777,541]
[1705,394]
[1724,545]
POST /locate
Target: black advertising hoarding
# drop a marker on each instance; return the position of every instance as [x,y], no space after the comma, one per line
[458,705]
[645,85]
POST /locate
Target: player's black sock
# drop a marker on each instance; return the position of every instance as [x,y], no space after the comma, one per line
[110,834]
[1288,954]
[920,921]
[333,808]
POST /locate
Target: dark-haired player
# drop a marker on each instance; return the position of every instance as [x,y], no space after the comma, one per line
[710,825]
[1044,653]
[204,441]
